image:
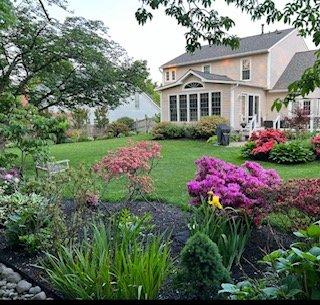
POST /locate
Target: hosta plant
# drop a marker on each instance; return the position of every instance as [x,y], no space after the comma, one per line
[291,153]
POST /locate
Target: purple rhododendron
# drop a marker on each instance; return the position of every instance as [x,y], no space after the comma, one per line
[237,186]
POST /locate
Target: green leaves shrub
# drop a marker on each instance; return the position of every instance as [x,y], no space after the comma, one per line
[202,271]
[291,153]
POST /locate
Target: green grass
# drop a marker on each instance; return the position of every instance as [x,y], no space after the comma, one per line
[175,168]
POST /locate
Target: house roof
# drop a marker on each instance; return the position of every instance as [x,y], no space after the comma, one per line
[299,63]
[205,77]
[210,76]
[253,44]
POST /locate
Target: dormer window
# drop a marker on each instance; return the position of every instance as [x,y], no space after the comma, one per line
[167,76]
[206,69]
[193,85]
[245,69]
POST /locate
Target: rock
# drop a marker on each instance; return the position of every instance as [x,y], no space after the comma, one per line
[13,277]
[23,286]
[28,295]
[13,294]
[3,283]
[6,271]
[2,292]
[11,285]
[39,296]
[35,290]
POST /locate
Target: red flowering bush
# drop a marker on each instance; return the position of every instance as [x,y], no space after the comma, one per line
[265,140]
[304,195]
[315,141]
[134,163]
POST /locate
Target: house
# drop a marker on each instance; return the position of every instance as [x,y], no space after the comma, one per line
[137,107]
[240,84]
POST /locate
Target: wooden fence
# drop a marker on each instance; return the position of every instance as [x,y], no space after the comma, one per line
[144,125]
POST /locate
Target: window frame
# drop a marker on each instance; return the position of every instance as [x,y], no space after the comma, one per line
[204,66]
[173,75]
[211,102]
[193,88]
[167,76]
[242,70]
[169,106]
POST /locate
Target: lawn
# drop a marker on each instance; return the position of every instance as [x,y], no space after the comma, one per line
[175,168]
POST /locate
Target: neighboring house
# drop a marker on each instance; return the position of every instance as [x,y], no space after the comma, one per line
[137,107]
[240,84]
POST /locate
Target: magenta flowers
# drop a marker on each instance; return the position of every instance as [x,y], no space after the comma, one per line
[237,186]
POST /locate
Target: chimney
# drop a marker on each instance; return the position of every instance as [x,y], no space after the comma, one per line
[262,29]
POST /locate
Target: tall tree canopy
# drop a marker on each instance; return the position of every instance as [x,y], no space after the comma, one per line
[64,64]
[205,22]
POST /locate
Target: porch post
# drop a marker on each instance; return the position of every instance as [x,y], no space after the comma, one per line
[232,105]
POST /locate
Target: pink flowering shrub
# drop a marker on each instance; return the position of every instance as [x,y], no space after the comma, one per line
[237,186]
[133,162]
[315,141]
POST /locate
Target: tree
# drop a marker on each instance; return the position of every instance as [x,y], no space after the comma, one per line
[80,117]
[204,22]
[65,64]
[6,14]
[101,117]
[150,89]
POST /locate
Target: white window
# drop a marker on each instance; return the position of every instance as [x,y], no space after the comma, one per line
[193,85]
[173,108]
[245,69]
[206,69]
[173,75]
[167,76]
[216,103]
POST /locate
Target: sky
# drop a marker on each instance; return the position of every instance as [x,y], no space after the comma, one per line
[162,39]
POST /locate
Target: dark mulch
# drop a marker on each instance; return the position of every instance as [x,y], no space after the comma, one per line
[166,218]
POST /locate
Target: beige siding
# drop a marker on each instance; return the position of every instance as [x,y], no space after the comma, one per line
[232,68]
[282,53]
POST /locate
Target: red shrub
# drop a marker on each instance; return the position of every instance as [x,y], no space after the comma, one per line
[303,195]
[315,141]
[265,140]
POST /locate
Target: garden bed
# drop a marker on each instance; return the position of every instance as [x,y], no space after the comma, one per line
[165,217]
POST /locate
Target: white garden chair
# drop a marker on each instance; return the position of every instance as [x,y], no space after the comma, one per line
[53,167]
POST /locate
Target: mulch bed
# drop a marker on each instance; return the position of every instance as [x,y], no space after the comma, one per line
[166,218]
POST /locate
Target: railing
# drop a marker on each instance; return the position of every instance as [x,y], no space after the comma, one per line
[252,124]
[276,122]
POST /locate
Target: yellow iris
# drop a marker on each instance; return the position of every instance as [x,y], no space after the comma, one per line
[214,201]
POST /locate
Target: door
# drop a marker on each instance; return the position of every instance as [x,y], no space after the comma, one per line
[250,108]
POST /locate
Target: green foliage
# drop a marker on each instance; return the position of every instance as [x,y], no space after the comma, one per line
[150,89]
[101,117]
[292,274]
[30,227]
[117,128]
[118,262]
[226,229]
[300,264]
[291,153]
[207,126]
[80,118]
[202,271]
[167,130]
[59,128]
[7,17]
[246,150]
[79,64]
[289,220]
[7,159]
[127,121]
[300,135]
[15,203]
